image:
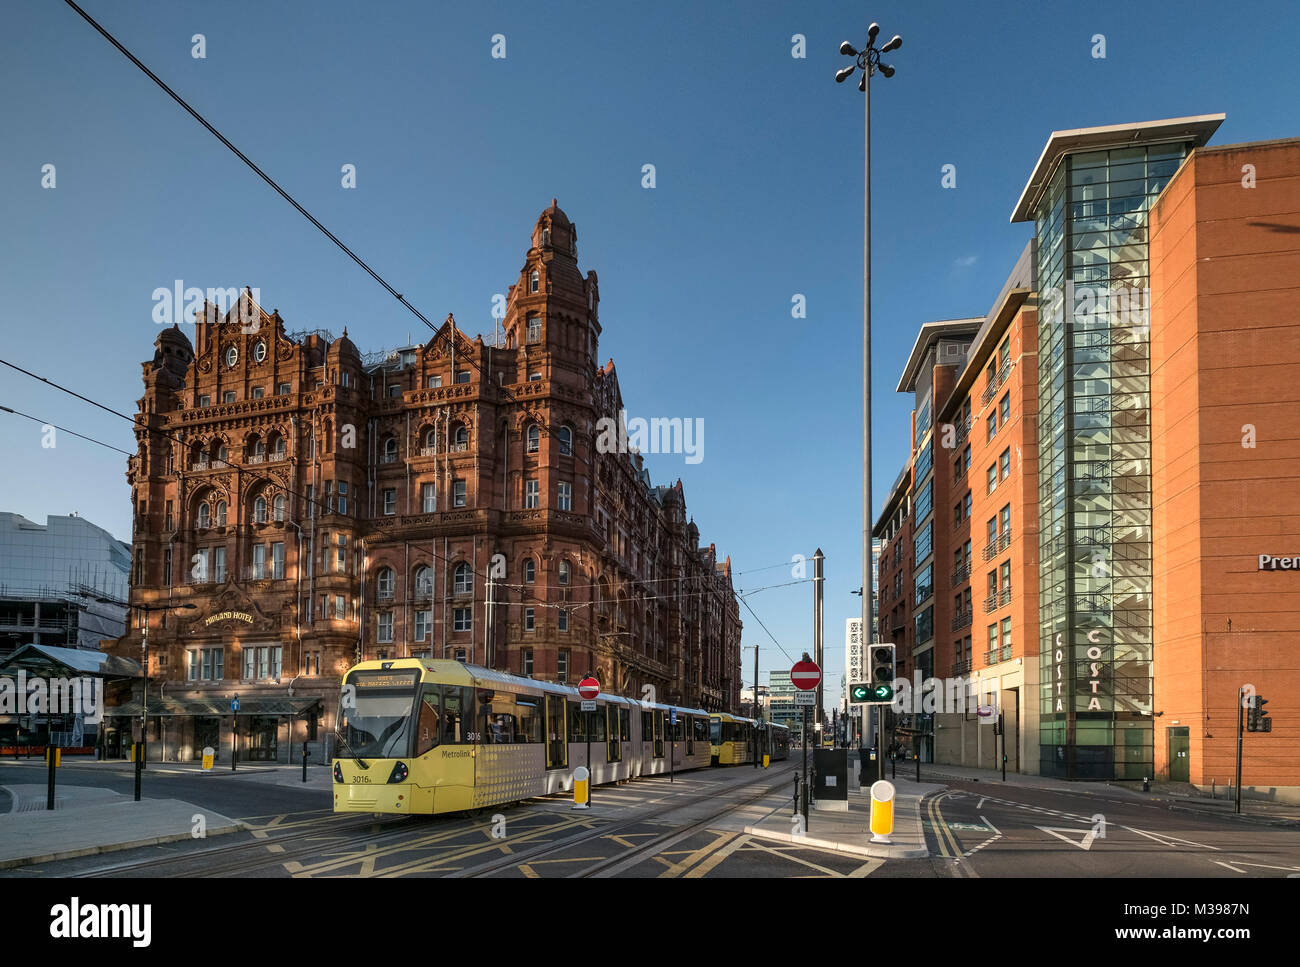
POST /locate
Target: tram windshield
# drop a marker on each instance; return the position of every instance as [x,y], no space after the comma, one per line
[715,731]
[376,714]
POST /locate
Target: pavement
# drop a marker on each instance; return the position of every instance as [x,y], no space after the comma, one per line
[104,821]
[318,776]
[846,831]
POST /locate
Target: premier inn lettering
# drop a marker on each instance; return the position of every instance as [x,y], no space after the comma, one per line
[1269,563]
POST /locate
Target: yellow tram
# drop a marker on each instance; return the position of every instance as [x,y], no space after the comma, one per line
[437,736]
[734,740]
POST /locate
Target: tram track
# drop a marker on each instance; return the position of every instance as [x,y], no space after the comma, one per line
[158,865]
[632,854]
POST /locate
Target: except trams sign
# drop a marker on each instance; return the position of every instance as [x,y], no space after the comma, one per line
[857,659]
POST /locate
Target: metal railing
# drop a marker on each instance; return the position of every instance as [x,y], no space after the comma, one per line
[990,602]
[962,620]
[960,575]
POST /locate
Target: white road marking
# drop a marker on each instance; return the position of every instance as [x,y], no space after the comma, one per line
[980,804]
[1164,839]
[1084,844]
[1228,865]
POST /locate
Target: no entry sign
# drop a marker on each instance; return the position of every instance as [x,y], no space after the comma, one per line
[589,688]
[805,675]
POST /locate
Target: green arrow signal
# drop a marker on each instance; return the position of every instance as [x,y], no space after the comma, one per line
[859,693]
[882,692]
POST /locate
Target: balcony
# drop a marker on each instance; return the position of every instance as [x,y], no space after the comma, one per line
[388,458]
[991,657]
[200,465]
[962,620]
[1004,540]
[428,451]
[1004,596]
[990,602]
[990,550]
[960,575]
[961,667]
[257,458]
[277,456]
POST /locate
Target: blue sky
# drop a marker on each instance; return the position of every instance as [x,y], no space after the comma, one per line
[758,158]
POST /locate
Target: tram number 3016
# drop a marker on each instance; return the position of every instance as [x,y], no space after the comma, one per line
[358,779]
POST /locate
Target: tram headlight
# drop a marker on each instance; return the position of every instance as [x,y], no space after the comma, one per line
[399,773]
[338,772]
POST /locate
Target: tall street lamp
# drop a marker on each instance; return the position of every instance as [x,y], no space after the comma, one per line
[868,61]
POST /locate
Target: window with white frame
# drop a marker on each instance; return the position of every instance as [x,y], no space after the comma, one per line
[428,498]
[423,625]
[532,494]
[385,627]
[458,493]
[384,582]
[530,571]
[463,580]
[529,619]
[534,438]
[563,572]
[565,495]
[462,619]
[534,329]
[390,502]
[563,619]
[566,441]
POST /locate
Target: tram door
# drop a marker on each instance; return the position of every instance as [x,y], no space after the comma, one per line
[557,748]
[659,733]
[689,726]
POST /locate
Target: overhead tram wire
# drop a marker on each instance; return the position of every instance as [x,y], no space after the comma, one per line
[765,628]
[256,170]
[36,419]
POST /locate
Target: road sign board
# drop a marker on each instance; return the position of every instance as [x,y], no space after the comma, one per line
[589,705]
[672,716]
[984,711]
[805,698]
[805,675]
[589,688]
[234,704]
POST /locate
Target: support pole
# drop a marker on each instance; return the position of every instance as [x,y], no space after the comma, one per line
[51,753]
[804,785]
[1240,729]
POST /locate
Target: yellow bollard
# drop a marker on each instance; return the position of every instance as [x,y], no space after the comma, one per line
[767,760]
[882,811]
[581,790]
[208,756]
[58,757]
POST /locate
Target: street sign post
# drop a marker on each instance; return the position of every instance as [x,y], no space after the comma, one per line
[805,676]
[589,688]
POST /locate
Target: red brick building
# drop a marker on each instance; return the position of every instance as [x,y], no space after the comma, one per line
[317,507]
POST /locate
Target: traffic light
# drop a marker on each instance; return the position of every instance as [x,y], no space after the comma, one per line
[1257,719]
[859,693]
[882,673]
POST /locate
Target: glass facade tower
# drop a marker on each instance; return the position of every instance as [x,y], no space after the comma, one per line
[1094,477]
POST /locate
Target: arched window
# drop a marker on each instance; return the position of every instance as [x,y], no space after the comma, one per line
[462,438]
[259,510]
[259,449]
[430,438]
[278,448]
[384,582]
[564,572]
[278,507]
[205,515]
[423,582]
[221,513]
[530,571]
[566,441]
[390,450]
[534,438]
[532,281]
[221,454]
[463,582]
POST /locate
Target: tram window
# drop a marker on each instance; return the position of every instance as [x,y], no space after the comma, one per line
[499,729]
[624,724]
[613,748]
[577,723]
[715,731]
[701,730]
[597,724]
[646,733]
[453,715]
[427,728]
[528,723]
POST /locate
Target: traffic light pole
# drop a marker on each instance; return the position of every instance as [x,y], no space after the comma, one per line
[1240,714]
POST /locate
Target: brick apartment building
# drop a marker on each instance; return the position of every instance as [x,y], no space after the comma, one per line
[1096,499]
[447,500]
